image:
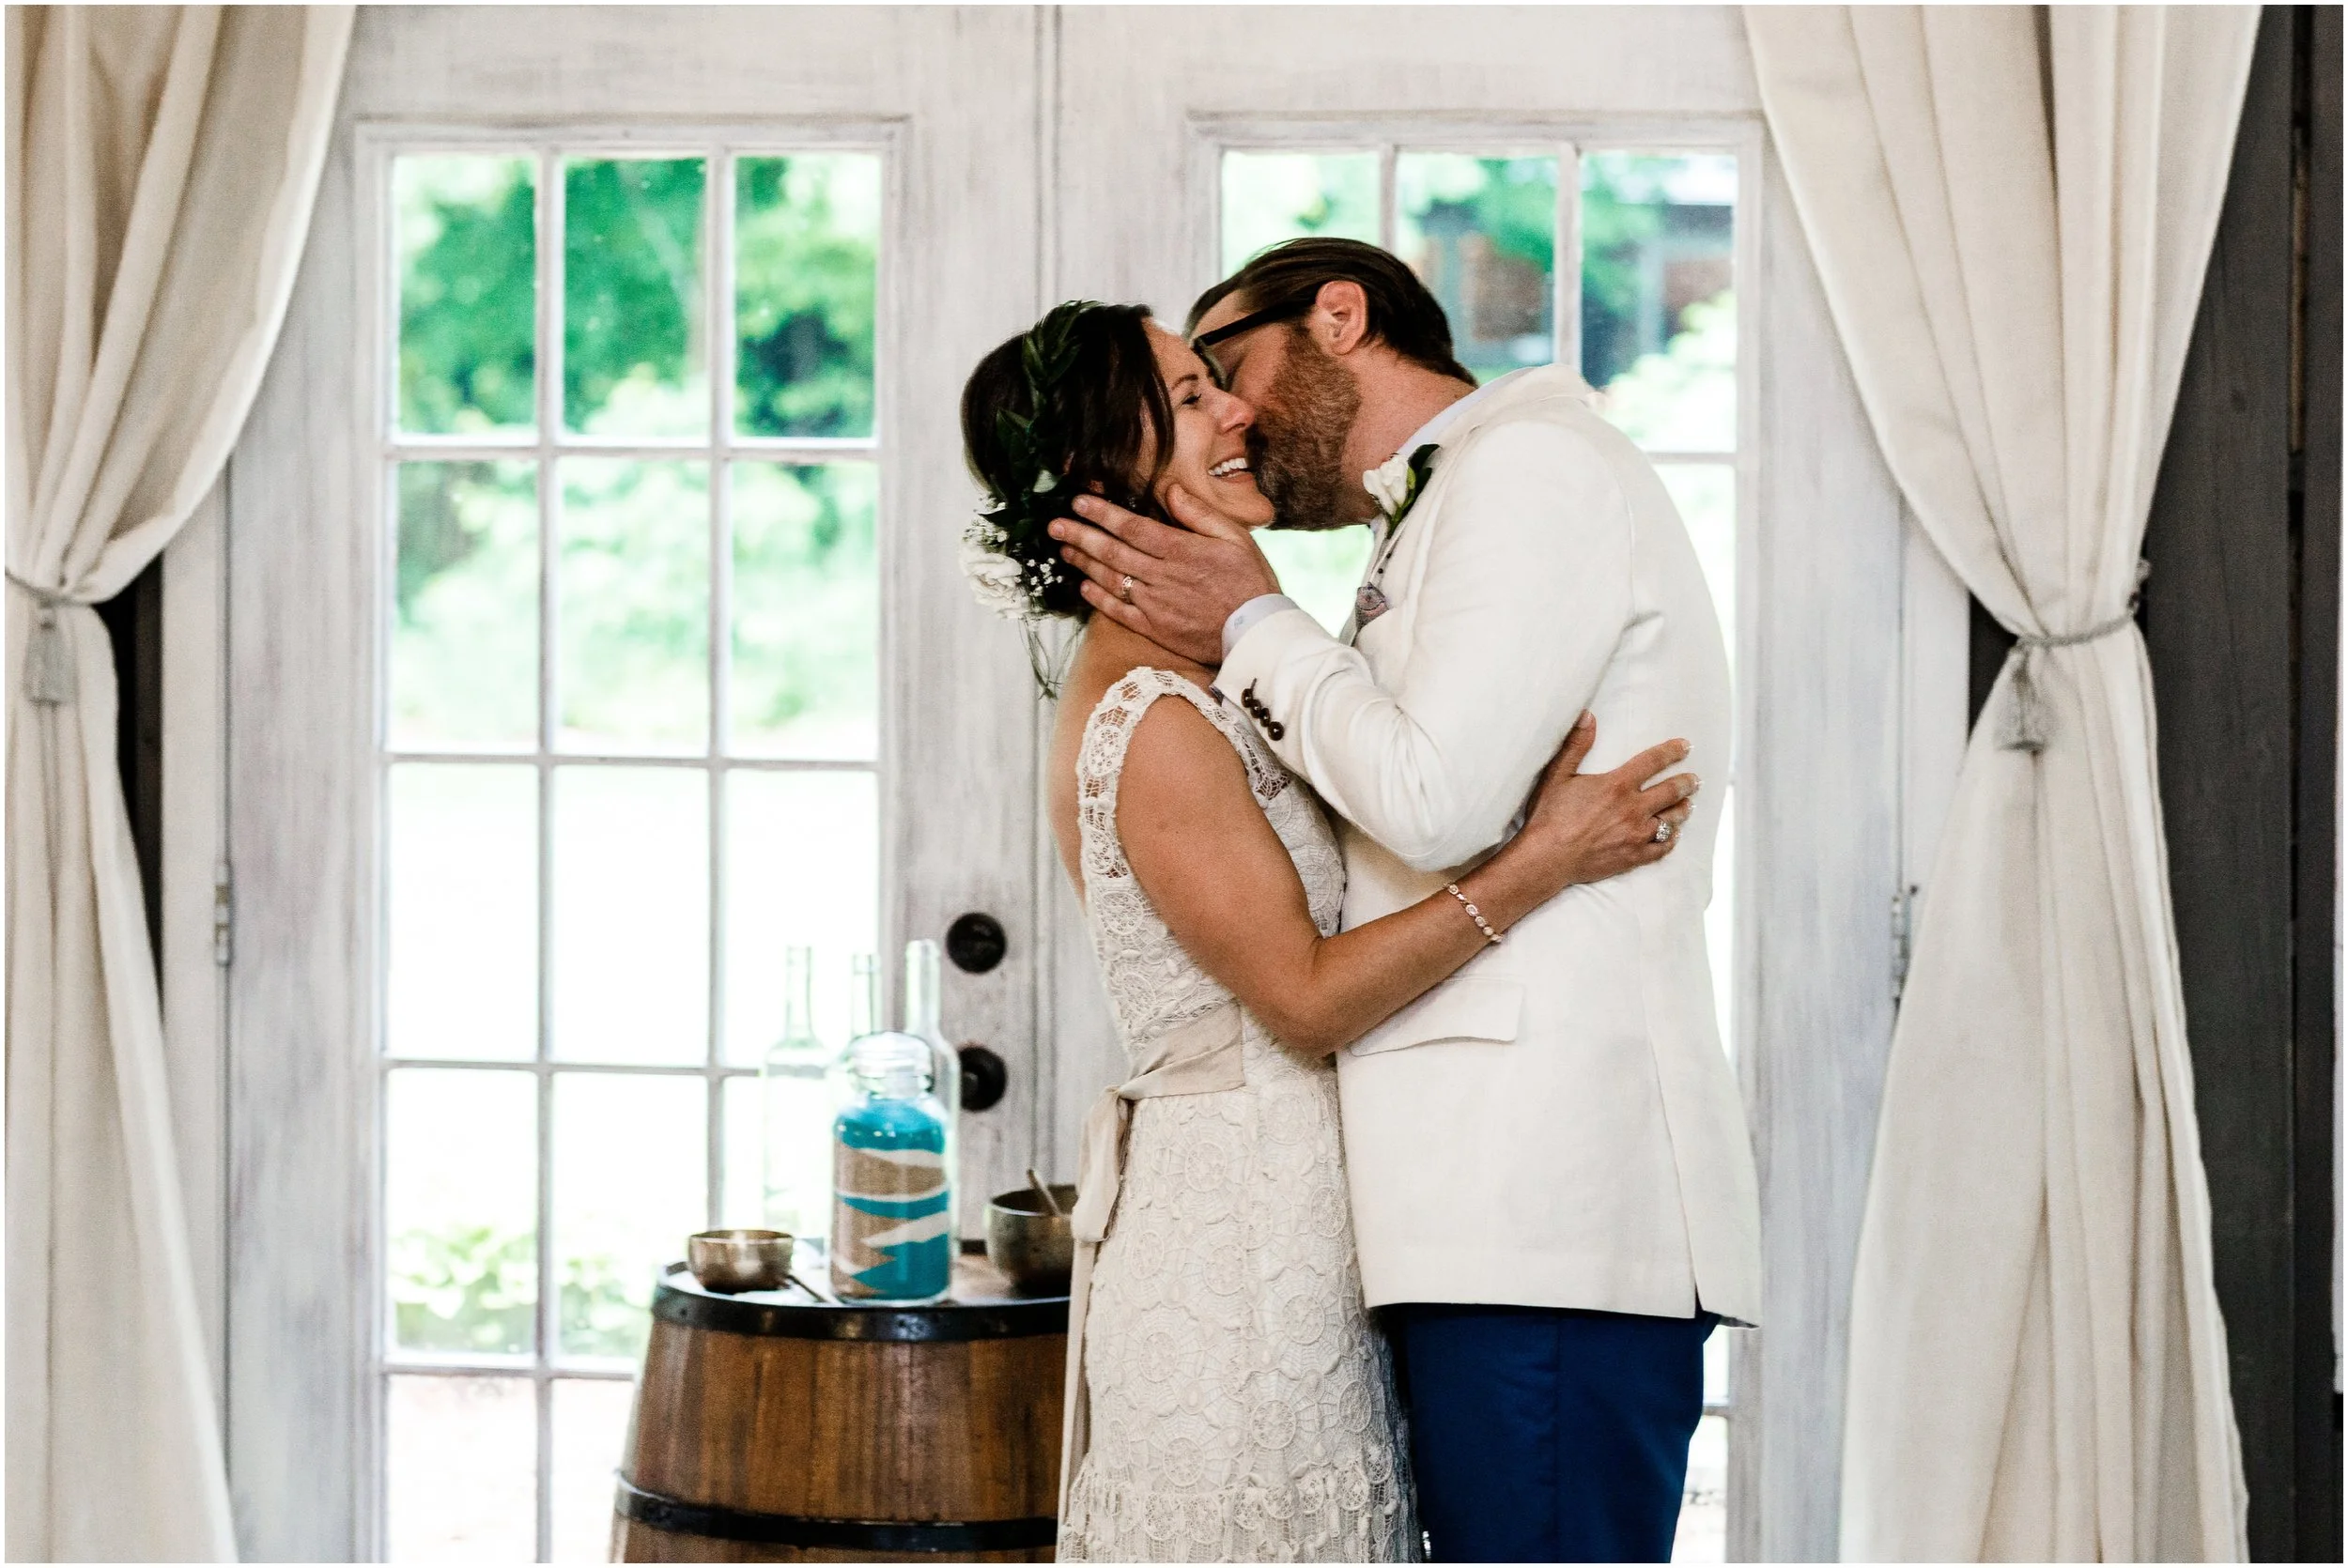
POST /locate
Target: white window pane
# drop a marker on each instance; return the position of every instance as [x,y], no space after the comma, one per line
[1320,569]
[462,971]
[1703,1535]
[1720,920]
[633,646]
[802,870]
[779,1155]
[630,1180]
[463,1470]
[590,1427]
[464,650]
[806,611]
[1481,232]
[1658,322]
[631,915]
[1705,494]
[460,1178]
[633,332]
[1271,196]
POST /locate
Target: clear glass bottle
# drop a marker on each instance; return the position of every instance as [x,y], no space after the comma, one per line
[890,1229]
[795,1104]
[924,1002]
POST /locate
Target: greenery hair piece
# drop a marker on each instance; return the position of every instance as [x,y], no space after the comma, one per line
[1007,550]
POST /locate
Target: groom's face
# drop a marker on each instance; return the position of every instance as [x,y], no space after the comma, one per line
[1306,403]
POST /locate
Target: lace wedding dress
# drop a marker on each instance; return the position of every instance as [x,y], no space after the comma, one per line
[1242,1408]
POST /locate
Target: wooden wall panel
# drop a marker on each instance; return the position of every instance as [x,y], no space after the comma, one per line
[2237,637]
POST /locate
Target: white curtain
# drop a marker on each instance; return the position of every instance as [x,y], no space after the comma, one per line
[161,162]
[2011,209]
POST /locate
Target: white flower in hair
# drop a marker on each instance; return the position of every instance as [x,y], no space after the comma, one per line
[998,582]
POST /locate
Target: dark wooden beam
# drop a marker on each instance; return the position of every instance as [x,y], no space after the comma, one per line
[2316,492]
[134,625]
[2241,615]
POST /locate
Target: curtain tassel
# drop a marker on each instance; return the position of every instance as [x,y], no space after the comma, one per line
[49,678]
[2026,724]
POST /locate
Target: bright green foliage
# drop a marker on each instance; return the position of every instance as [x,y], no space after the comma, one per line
[467,295]
[808,231]
[632,327]
[633,546]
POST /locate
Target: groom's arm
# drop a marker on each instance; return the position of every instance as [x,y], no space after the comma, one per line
[1521,604]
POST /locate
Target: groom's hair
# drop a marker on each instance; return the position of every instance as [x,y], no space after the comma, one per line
[1402,315]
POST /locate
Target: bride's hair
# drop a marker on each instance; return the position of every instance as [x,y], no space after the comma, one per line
[1073,403]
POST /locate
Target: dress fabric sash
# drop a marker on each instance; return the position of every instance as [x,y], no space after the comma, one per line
[1202,1056]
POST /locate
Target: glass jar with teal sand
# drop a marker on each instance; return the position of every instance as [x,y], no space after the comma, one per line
[891,1227]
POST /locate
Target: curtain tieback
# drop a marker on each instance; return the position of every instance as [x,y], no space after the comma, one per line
[48,658]
[2026,723]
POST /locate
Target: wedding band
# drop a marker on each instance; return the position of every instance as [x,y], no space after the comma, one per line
[1125,587]
[1662,833]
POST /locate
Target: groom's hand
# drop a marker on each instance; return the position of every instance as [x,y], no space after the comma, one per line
[1175,586]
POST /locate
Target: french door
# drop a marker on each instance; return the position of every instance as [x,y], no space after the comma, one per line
[595,635]
[594,632]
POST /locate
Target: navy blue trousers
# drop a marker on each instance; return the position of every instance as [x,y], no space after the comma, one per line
[1549,1436]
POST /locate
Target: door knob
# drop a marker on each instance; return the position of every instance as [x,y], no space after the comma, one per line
[983,1077]
[976,942]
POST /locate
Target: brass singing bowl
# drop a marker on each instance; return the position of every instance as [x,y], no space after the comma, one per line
[1035,1249]
[731,1261]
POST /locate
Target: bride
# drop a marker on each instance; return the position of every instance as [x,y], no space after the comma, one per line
[1228,1397]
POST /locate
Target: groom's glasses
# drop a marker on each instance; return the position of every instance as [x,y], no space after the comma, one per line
[1203,344]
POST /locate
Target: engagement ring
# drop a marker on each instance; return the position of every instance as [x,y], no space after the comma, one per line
[1125,587]
[1662,833]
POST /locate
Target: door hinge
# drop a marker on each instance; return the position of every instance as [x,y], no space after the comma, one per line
[223,914]
[1902,936]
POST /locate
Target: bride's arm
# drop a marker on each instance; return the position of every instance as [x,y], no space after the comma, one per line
[1218,875]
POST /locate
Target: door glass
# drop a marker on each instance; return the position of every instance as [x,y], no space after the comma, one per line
[464,643]
[1659,312]
[465,228]
[806,284]
[629,752]
[1271,196]
[1481,232]
[635,339]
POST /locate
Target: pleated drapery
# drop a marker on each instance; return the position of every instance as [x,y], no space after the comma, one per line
[161,164]
[2011,209]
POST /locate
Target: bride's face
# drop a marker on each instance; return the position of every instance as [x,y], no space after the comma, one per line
[1211,428]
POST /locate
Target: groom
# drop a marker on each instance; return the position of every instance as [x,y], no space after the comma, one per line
[1554,1195]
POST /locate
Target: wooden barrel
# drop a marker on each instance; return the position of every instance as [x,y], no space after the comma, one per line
[776,1427]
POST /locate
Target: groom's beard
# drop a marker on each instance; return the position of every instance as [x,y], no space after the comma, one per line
[1297,447]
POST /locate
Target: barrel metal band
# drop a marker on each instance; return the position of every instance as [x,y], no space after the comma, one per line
[675,1299]
[885,1538]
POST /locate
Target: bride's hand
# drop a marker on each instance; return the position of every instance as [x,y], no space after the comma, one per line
[1589,826]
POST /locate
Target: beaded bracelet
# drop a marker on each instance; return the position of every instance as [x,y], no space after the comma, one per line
[1474,914]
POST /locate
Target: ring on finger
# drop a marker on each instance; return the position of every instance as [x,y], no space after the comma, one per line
[1662,833]
[1125,587]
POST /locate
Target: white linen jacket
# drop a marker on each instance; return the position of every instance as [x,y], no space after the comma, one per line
[1557,1124]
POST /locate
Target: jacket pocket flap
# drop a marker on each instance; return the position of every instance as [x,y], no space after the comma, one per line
[1467,1008]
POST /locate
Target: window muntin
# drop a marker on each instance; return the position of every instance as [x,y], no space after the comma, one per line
[629,749]
[1621,261]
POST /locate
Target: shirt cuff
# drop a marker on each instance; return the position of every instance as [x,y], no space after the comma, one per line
[1248,614]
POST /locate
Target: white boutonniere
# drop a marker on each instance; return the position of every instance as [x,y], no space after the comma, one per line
[1395,485]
